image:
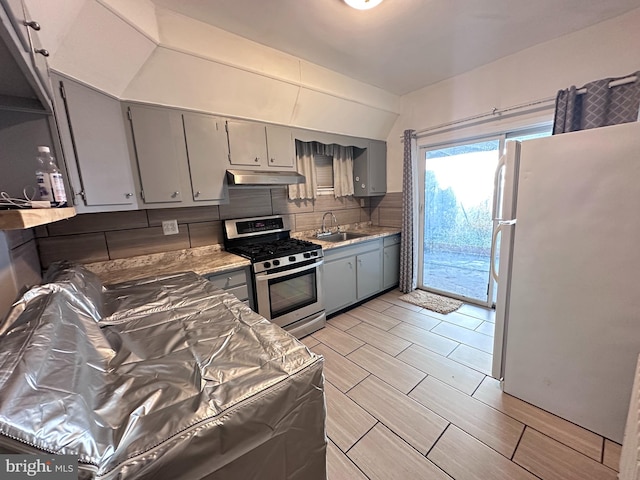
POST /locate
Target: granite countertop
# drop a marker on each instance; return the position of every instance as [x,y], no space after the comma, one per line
[209,259]
[201,260]
[371,232]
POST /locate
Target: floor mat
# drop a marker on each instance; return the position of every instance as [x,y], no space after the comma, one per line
[431,301]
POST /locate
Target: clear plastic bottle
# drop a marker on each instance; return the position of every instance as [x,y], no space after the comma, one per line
[49,178]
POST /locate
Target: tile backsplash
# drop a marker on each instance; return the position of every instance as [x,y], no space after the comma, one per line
[93,237]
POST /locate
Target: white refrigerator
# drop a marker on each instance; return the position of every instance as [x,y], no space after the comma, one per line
[567,333]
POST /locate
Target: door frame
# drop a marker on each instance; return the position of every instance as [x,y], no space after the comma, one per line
[502,136]
[422,150]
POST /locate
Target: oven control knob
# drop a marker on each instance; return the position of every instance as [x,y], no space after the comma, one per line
[267,264]
[314,253]
[306,255]
[276,262]
[292,258]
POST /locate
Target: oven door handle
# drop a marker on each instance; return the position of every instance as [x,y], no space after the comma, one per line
[269,276]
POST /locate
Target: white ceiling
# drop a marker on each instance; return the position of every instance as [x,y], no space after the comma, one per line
[401,45]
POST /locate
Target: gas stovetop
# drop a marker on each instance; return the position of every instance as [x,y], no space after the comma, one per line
[267,243]
[259,252]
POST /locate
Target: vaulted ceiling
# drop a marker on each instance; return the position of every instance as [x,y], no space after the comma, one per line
[401,45]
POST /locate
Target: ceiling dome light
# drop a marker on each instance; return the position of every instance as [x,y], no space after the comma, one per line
[363,4]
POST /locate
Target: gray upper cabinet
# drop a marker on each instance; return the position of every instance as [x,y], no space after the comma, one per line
[181,156]
[207,150]
[370,170]
[17,17]
[93,137]
[158,139]
[280,147]
[24,82]
[247,144]
[260,146]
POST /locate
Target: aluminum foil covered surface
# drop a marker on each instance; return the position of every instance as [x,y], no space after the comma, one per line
[166,377]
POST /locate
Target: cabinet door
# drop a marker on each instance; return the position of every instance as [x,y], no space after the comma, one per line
[208,151]
[38,54]
[370,170]
[339,283]
[98,139]
[369,274]
[391,266]
[280,147]
[247,144]
[15,12]
[160,149]
[377,167]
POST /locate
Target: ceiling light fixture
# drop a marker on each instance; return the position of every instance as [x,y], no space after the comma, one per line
[363,4]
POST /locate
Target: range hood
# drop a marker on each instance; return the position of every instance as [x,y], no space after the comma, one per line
[255,177]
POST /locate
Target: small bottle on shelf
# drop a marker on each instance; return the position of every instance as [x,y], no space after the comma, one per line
[49,178]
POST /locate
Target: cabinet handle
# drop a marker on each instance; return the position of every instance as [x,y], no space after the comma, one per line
[175,194]
[257,159]
[197,194]
[350,264]
[273,160]
[34,25]
[128,195]
[42,51]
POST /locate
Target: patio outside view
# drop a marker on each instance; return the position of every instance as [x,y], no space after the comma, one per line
[458,218]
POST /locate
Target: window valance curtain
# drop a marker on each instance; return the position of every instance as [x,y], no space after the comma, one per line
[308,189]
[597,104]
[342,169]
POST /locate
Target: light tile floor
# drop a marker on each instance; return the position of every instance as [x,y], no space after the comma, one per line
[409,396]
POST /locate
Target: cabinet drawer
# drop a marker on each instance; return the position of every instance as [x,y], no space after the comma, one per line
[352,250]
[392,240]
[228,280]
[241,292]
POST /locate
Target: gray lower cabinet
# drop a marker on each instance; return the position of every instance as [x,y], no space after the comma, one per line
[352,273]
[93,136]
[339,283]
[181,157]
[391,262]
[234,282]
[369,268]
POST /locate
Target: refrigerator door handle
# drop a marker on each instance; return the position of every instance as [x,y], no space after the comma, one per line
[497,194]
[494,241]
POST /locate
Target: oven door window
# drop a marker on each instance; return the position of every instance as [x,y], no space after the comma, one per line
[291,292]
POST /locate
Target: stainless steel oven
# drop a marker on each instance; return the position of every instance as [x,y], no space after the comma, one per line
[287,272]
[292,297]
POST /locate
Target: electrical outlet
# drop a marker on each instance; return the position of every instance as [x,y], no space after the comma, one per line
[170,227]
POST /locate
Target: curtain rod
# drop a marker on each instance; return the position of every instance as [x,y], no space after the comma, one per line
[613,83]
[493,113]
[499,111]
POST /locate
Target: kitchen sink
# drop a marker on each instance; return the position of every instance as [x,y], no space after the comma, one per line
[340,236]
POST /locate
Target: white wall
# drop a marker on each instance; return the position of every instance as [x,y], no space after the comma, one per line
[608,49]
[134,51]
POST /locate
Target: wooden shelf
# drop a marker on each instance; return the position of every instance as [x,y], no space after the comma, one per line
[31,217]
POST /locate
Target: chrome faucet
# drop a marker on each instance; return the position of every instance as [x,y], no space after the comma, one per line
[324,228]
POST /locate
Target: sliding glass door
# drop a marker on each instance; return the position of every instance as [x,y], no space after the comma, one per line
[459,194]
[458,211]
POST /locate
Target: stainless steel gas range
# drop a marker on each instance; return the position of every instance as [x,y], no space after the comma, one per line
[286,272]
